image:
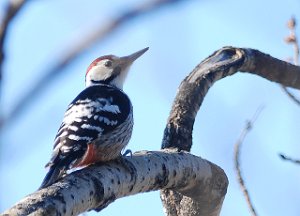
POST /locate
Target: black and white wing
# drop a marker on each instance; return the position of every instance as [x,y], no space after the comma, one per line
[96,111]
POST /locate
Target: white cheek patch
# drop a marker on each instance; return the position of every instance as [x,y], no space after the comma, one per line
[101,73]
[119,80]
[98,73]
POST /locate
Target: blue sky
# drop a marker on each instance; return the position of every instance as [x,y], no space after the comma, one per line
[179,37]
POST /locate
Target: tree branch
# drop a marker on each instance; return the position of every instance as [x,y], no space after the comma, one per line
[12,8]
[224,62]
[246,130]
[96,187]
[185,191]
[290,95]
[286,158]
[293,40]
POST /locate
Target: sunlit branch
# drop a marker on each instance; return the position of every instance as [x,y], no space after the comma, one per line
[97,186]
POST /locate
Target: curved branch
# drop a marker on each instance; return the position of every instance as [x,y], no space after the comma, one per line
[96,187]
[224,62]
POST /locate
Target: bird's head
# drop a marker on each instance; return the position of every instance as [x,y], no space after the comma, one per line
[110,69]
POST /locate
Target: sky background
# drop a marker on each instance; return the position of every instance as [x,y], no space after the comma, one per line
[179,37]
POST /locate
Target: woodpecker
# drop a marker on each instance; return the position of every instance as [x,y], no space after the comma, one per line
[98,123]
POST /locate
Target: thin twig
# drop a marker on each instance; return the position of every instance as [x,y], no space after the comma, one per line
[293,40]
[12,8]
[290,95]
[10,12]
[287,158]
[79,48]
[248,127]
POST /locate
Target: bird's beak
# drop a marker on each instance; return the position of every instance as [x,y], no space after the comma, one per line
[128,60]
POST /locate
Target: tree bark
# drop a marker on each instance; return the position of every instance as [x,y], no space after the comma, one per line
[190,185]
[178,132]
[96,187]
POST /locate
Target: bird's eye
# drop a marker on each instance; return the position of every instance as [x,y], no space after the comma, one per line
[108,64]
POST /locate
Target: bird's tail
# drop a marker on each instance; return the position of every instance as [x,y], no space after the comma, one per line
[55,172]
[58,166]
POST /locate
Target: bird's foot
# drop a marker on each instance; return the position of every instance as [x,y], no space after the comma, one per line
[126,163]
[127,152]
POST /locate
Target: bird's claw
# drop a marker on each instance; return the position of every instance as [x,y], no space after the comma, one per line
[127,152]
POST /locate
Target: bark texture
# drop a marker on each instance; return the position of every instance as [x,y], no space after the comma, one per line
[96,187]
[178,132]
[224,62]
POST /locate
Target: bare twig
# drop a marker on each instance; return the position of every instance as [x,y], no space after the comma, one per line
[293,40]
[290,95]
[80,47]
[12,8]
[246,130]
[287,158]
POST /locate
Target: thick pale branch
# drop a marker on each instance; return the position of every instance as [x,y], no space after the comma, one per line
[187,190]
[97,186]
